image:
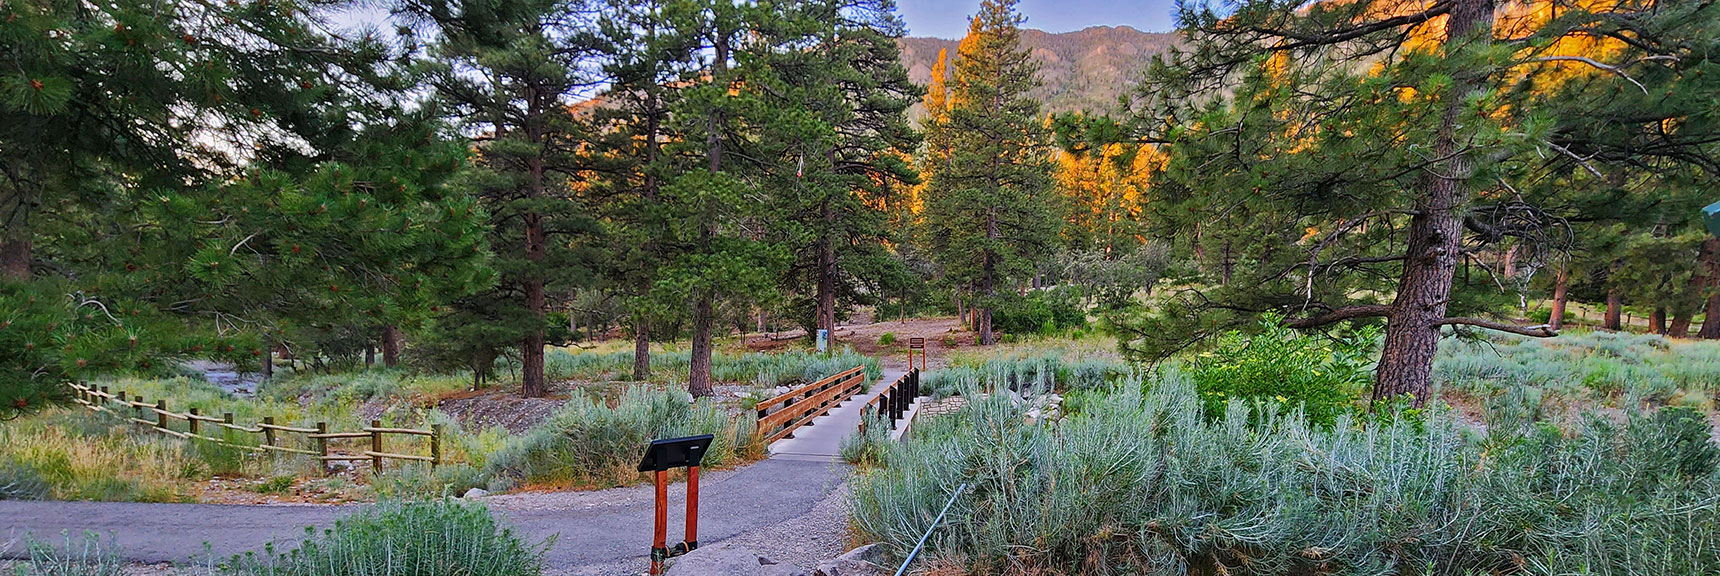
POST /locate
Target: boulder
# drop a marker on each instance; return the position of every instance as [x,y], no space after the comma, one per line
[866,560]
[475,493]
[728,560]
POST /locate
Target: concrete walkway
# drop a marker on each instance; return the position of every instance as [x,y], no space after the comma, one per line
[602,532]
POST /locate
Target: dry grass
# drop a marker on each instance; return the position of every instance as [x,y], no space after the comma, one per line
[92,461]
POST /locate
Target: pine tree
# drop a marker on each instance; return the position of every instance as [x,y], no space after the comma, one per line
[647,49]
[510,71]
[1352,161]
[839,135]
[987,205]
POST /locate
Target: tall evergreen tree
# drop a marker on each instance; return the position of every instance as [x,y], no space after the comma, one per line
[988,205]
[839,137]
[511,71]
[1346,161]
[648,50]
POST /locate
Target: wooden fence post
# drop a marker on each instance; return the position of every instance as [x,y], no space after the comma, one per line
[376,447]
[268,431]
[435,445]
[137,409]
[227,431]
[191,423]
[322,448]
[161,415]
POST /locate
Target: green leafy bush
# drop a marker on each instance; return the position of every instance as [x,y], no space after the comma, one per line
[1141,481]
[431,538]
[588,444]
[1324,376]
[887,339]
[1043,312]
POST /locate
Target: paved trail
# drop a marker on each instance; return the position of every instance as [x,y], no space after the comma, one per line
[597,533]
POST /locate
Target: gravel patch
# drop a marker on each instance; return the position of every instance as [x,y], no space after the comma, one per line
[820,535]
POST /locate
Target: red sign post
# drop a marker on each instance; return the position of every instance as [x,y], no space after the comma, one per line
[661,457]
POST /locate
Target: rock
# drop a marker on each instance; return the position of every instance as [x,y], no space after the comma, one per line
[476,493]
[863,561]
[729,560]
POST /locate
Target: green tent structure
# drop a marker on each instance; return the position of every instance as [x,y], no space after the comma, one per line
[1711,217]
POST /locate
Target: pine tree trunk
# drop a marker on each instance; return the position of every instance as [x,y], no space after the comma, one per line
[641,350]
[699,370]
[1435,236]
[268,367]
[1615,305]
[1657,321]
[827,277]
[1561,295]
[988,283]
[1680,324]
[390,346]
[531,348]
[15,256]
[369,356]
[1711,319]
[699,377]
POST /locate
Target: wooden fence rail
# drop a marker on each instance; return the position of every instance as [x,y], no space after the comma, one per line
[893,401]
[132,408]
[779,417]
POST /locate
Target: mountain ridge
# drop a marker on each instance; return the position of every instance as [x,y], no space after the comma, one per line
[1082,70]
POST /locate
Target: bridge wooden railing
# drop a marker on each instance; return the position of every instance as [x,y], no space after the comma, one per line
[156,416]
[893,401]
[780,416]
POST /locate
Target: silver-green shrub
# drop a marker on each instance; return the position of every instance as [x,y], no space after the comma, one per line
[588,443]
[428,538]
[1140,483]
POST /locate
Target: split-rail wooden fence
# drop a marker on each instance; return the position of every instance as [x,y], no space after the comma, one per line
[157,417]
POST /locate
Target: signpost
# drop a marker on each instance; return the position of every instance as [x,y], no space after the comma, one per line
[916,344]
[661,457]
[1711,217]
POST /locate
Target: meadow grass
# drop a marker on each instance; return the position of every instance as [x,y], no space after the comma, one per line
[62,454]
[1046,365]
[1584,369]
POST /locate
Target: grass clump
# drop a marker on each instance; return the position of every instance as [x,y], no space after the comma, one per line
[1142,482]
[429,538]
[588,443]
[86,556]
[866,446]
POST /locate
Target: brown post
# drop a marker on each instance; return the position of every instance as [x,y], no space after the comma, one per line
[191,422]
[435,445]
[137,409]
[322,448]
[268,433]
[121,396]
[692,508]
[226,433]
[161,415]
[376,447]
[660,538]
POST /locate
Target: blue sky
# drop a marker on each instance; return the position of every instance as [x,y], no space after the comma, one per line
[948,18]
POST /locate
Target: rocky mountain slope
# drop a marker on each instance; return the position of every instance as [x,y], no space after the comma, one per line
[1081,70]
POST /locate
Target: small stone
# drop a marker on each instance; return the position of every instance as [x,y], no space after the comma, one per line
[476,493]
[863,561]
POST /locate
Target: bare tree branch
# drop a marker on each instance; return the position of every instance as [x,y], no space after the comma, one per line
[1341,314]
[1538,331]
